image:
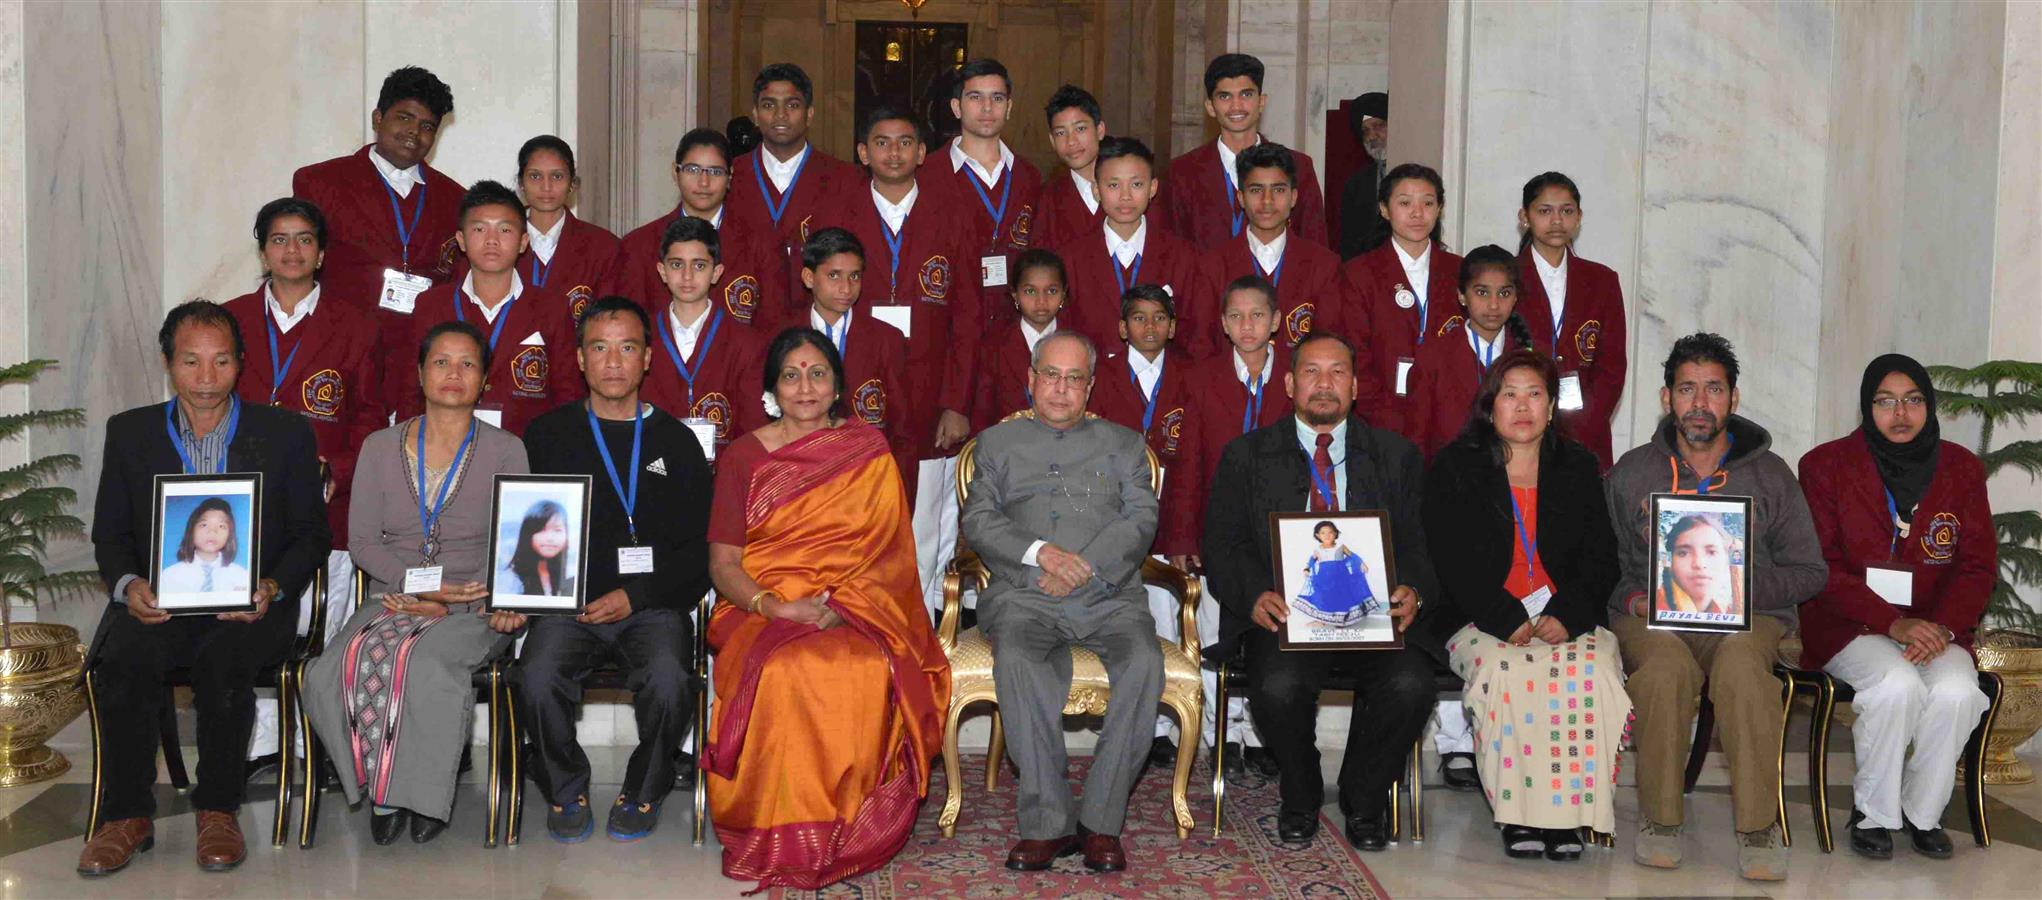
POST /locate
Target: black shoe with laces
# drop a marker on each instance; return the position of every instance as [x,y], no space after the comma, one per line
[1297,826]
[1459,778]
[1162,753]
[632,821]
[570,823]
[1930,842]
[1369,832]
[1870,841]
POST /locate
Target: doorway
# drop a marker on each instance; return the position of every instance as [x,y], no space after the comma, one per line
[911,66]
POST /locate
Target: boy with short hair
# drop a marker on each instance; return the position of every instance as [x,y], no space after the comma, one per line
[778,187]
[873,353]
[1201,202]
[1070,208]
[705,370]
[1129,249]
[1009,350]
[752,290]
[1000,191]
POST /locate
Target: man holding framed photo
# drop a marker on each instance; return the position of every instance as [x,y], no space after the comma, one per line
[645,562]
[1739,519]
[205,431]
[1327,461]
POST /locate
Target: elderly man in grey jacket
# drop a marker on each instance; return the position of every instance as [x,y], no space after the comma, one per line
[1060,510]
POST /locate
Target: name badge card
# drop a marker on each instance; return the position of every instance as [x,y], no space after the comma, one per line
[1893,584]
[422,579]
[1404,364]
[992,271]
[634,560]
[705,434]
[1535,603]
[1570,392]
[901,317]
[401,290]
[492,417]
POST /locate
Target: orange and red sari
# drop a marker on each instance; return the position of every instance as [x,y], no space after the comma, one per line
[818,750]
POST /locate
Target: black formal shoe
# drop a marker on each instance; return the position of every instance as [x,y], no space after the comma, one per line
[684,771]
[1563,844]
[425,828]
[1260,761]
[385,829]
[261,764]
[1459,778]
[1297,826]
[1520,842]
[1233,765]
[1367,832]
[1871,841]
[1931,842]
[1038,855]
[1162,753]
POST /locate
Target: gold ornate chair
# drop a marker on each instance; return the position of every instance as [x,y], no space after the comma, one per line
[971,664]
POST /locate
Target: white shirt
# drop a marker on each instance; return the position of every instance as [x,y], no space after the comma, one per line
[276,310]
[489,313]
[1147,373]
[1227,159]
[836,334]
[1554,279]
[1269,255]
[400,180]
[544,243]
[685,335]
[1033,337]
[779,173]
[1125,251]
[1417,272]
[1309,440]
[959,160]
[1485,351]
[893,214]
[715,219]
[1085,192]
[1268,367]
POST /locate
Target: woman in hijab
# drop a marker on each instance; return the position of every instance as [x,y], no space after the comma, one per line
[1904,525]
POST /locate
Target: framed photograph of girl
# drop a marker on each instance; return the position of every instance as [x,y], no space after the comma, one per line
[1334,572]
[1700,579]
[538,562]
[207,543]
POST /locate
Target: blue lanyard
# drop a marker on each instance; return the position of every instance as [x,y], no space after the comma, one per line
[666,339]
[839,331]
[1133,276]
[1233,203]
[893,239]
[1253,413]
[1006,189]
[177,440]
[1319,482]
[404,232]
[428,520]
[1421,314]
[1149,403]
[502,316]
[278,372]
[1524,537]
[1475,344]
[539,274]
[766,196]
[630,497]
[1893,521]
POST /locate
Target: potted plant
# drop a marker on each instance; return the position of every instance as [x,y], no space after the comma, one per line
[2010,643]
[39,662]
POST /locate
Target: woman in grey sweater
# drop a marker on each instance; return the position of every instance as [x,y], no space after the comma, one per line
[390,697]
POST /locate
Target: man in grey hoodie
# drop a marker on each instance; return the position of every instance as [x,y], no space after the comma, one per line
[1703,447]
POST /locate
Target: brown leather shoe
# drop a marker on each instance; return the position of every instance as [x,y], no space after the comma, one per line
[1035,856]
[115,845]
[1103,852]
[220,845]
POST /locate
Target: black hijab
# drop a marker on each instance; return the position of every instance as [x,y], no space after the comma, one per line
[1906,468]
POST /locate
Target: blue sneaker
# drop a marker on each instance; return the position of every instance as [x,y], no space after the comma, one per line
[632,821]
[571,824]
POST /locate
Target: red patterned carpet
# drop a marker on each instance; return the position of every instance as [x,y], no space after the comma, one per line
[1244,861]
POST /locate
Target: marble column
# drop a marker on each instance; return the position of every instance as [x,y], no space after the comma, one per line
[14,306]
[661,89]
[2016,317]
[1316,53]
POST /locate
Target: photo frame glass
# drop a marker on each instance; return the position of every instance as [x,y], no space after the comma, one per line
[1701,571]
[538,559]
[205,555]
[1335,571]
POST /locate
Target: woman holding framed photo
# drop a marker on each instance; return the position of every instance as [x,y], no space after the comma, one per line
[390,697]
[1520,511]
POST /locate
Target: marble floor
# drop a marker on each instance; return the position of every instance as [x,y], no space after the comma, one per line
[1460,857]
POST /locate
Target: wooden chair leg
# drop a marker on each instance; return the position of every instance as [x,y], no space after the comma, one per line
[1396,815]
[1974,760]
[514,752]
[287,734]
[996,753]
[489,836]
[1698,752]
[98,760]
[701,791]
[1780,764]
[1818,760]
[173,752]
[1219,752]
[1414,774]
[1180,781]
[953,784]
[309,769]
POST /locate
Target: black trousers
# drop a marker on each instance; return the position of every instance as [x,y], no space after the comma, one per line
[653,646]
[129,670]
[1394,696]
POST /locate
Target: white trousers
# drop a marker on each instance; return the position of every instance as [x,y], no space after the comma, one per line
[340,573]
[1931,707]
[935,526]
[1450,730]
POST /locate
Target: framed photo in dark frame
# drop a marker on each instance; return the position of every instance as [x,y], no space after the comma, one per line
[1335,571]
[1701,572]
[205,551]
[538,556]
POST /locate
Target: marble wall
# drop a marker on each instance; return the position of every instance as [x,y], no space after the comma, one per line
[663,93]
[1316,53]
[13,228]
[2016,331]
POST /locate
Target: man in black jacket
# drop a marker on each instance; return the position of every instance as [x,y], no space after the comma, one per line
[648,563]
[205,430]
[1361,467]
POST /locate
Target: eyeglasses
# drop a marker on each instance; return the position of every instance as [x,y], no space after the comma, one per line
[1074,380]
[711,171]
[1914,402]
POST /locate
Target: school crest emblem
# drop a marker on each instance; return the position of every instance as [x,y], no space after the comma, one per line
[1939,540]
[1173,431]
[741,297]
[528,371]
[936,278]
[716,408]
[805,220]
[449,251]
[1449,326]
[323,393]
[1586,339]
[578,299]
[869,402]
[1024,227]
[1298,323]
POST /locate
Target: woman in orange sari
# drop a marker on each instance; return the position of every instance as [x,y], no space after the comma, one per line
[830,686]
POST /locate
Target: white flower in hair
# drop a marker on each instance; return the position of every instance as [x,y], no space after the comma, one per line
[772,404]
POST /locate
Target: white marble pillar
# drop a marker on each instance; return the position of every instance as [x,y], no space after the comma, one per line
[13,221]
[1316,53]
[2016,316]
[662,90]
